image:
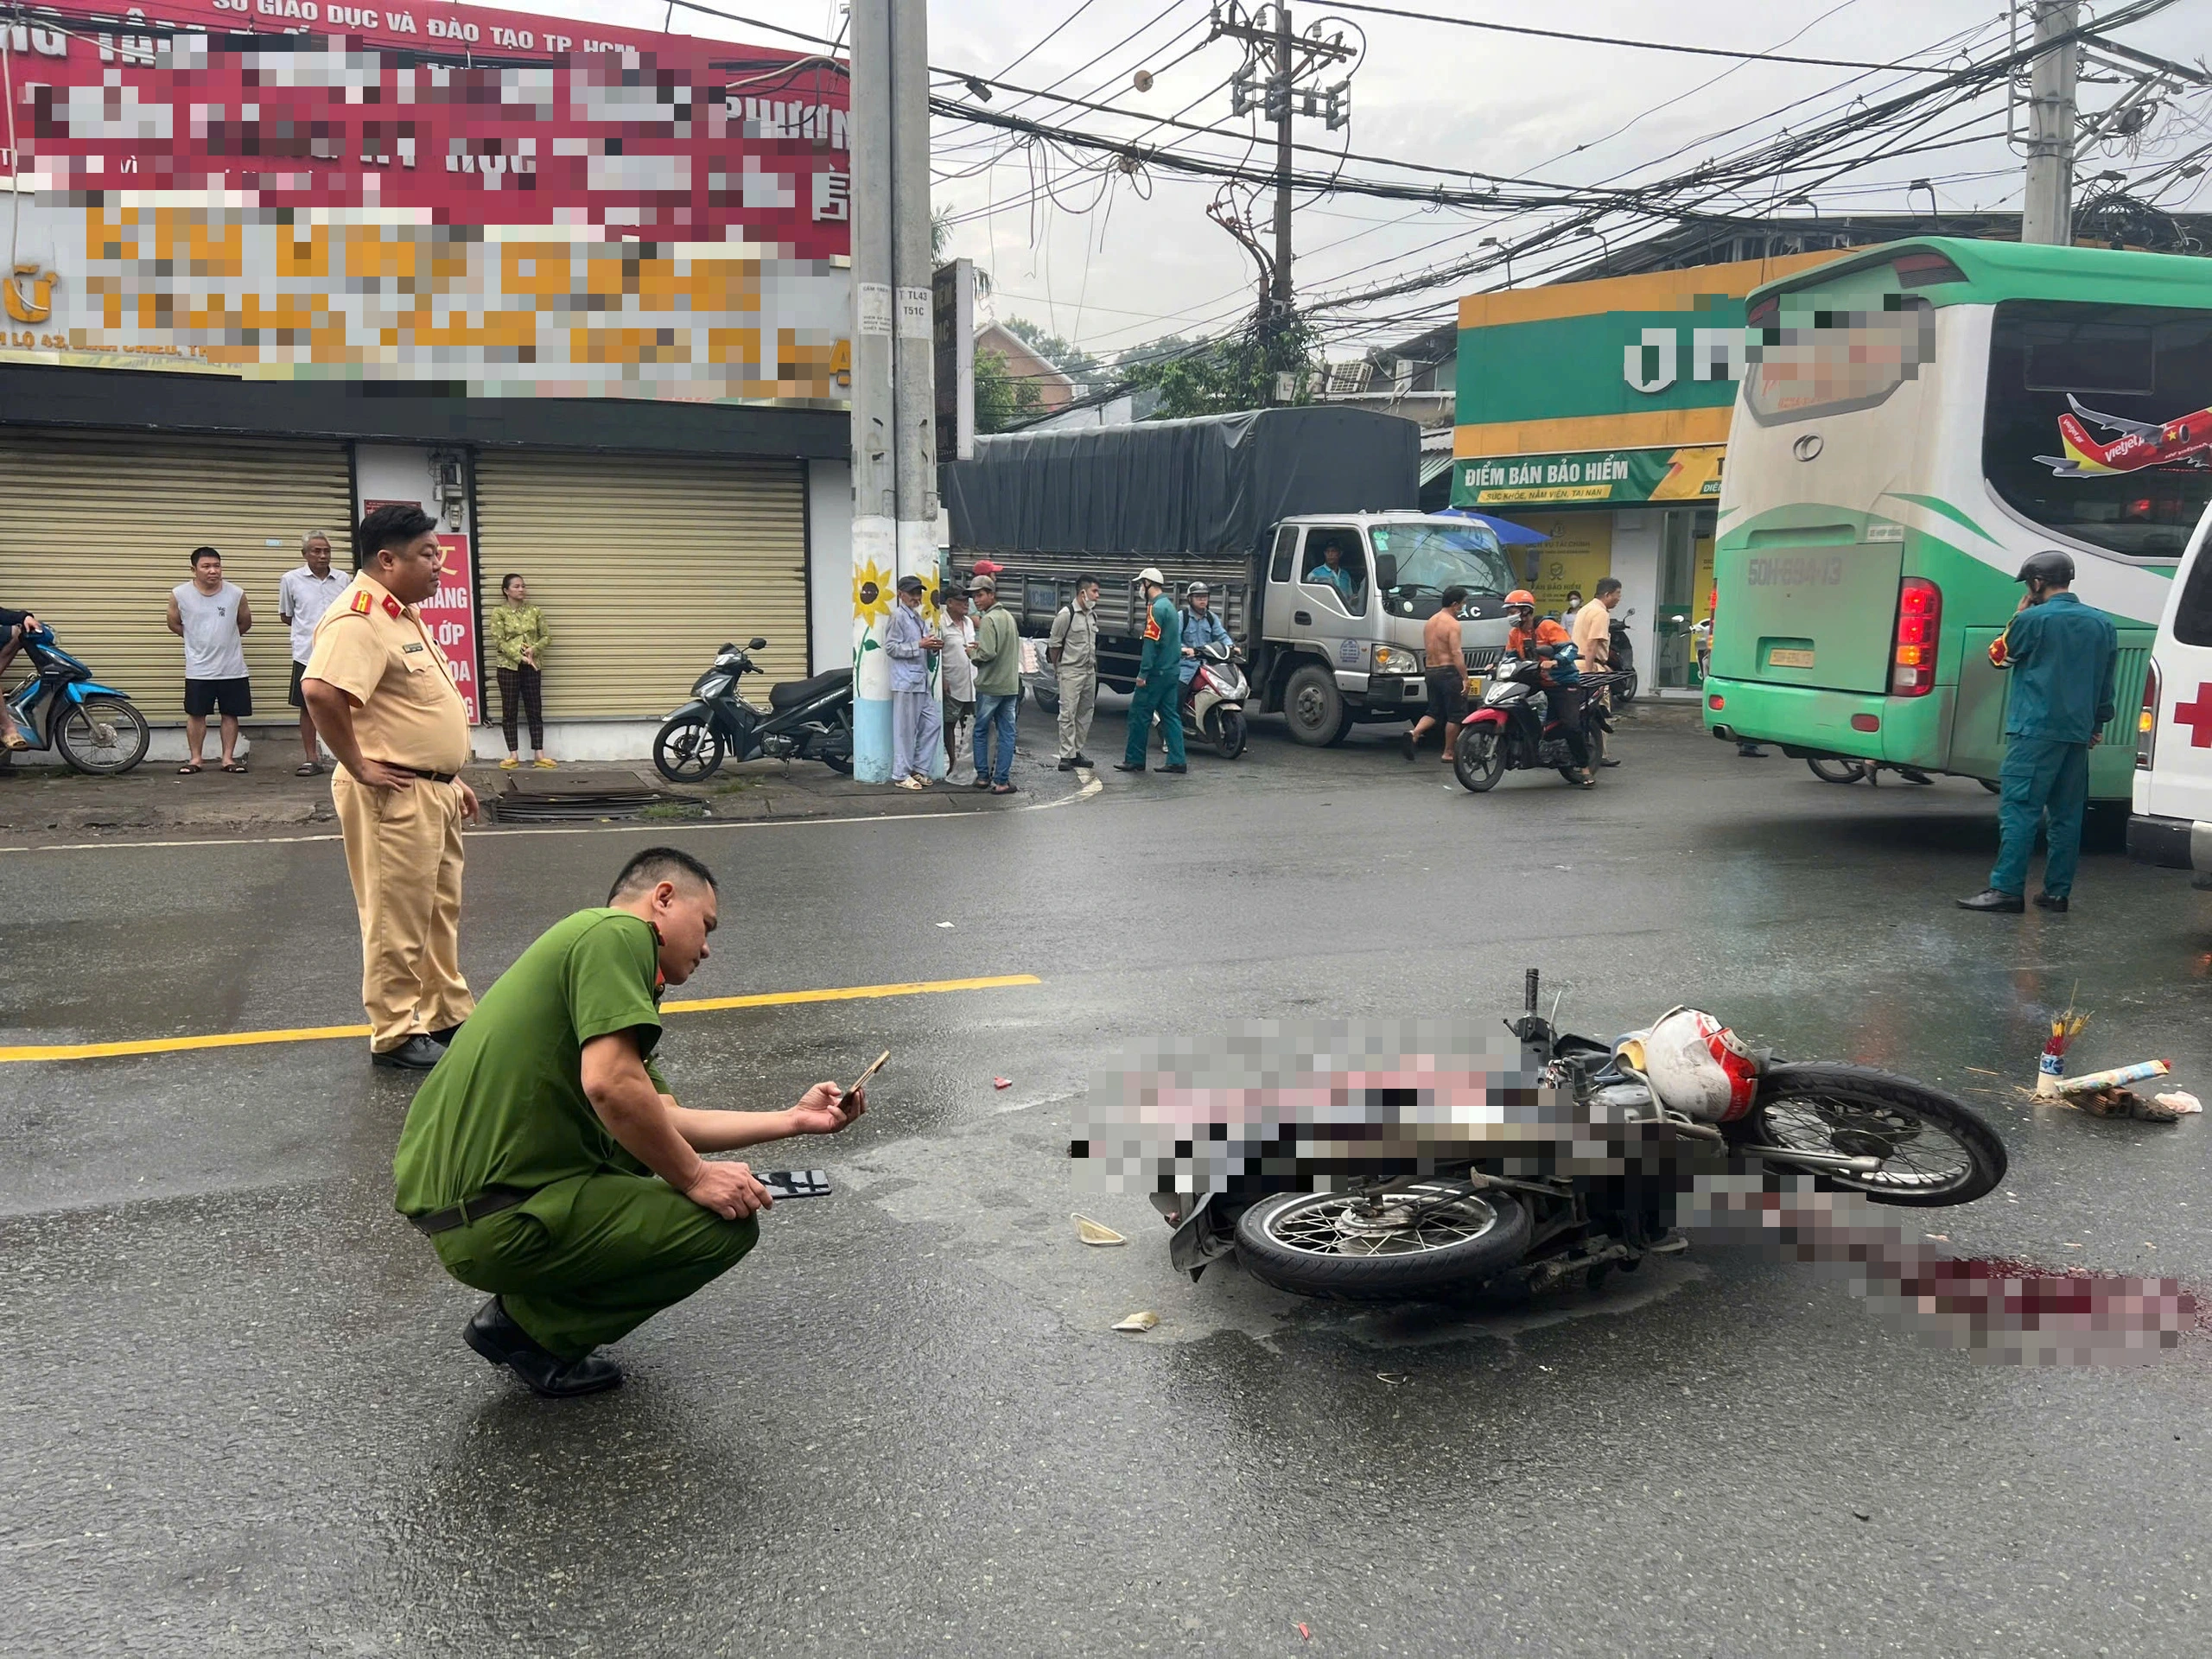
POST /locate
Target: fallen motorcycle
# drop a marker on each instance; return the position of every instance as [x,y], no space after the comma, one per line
[1502,1222]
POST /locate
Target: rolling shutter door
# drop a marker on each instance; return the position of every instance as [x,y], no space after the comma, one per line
[643,566]
[96,528]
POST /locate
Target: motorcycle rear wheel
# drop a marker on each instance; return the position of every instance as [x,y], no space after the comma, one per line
[105,736]
[1339,1245]
[1836,772]
[1477,760]
[688,752]
[1936,1152]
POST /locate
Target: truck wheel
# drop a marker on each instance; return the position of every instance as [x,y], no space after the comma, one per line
[1314,707]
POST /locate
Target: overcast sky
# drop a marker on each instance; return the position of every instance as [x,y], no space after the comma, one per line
[1110,269]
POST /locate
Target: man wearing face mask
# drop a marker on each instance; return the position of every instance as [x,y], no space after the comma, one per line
[547,1160]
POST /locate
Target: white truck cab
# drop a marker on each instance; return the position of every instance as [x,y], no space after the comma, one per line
[2172,821]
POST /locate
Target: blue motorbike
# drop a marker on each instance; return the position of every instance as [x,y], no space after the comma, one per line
[62,707]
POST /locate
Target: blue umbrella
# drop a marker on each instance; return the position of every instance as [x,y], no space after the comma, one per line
[1508,533]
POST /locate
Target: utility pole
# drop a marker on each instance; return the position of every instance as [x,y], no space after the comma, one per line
[1279,106]
[2048,207]
[914,350]
[1278,60]
[875,557]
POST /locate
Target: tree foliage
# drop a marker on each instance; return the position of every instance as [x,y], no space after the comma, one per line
[1001,400]
[1221,377]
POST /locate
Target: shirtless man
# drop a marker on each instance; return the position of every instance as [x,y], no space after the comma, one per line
[1448,685]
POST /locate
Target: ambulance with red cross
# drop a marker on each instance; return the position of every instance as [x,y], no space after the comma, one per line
[2172,821]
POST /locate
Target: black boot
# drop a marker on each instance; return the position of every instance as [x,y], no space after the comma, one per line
[502,1342]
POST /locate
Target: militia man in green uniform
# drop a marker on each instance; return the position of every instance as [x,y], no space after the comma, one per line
[2061,655]
[546,1158]
[1159,684]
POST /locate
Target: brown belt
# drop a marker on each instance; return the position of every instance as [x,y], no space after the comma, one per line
[417,771]
[489,1201]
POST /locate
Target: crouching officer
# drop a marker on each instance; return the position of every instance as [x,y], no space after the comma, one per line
[386,702]
[546,1159]
[2061,654]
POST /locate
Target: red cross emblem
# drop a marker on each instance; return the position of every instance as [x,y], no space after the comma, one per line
[2198,716]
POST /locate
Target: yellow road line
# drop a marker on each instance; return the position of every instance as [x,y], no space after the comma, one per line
[324,1033]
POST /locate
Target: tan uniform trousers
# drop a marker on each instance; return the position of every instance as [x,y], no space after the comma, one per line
[402,849]
[1079,704]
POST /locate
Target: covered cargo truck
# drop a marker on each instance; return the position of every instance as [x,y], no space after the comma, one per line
[1247,504]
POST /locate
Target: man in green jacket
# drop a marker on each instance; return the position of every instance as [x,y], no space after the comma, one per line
[546,1160]
[997,654]
[1157,679]
[2061,655]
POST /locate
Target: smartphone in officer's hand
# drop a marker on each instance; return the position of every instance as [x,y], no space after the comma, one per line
[794,1183]
[875,1067]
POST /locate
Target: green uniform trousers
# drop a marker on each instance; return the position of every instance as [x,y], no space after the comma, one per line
[1160,695]
[2041,778]
[588,1260]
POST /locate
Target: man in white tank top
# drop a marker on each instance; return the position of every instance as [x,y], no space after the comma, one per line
[211,615]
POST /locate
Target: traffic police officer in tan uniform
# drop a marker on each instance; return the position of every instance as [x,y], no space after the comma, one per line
[386,704]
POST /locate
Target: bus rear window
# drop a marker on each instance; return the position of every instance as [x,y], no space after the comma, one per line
[2096,425]
[1807,361]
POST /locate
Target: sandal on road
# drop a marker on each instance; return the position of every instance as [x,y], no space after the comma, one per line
[190,768]
[309,769]
[235,765]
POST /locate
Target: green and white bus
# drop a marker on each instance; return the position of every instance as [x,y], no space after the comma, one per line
[1913,421]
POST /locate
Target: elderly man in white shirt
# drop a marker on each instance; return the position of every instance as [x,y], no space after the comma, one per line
[303,596]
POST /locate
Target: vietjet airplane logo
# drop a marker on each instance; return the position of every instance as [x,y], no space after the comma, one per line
[2185,441]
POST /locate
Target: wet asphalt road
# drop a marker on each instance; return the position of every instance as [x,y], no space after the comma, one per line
[237,1417]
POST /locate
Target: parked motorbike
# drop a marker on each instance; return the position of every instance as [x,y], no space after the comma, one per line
[1468,1227]
[1623,659]
[62,707]
[806,720]
[1506,733]
[1213,703]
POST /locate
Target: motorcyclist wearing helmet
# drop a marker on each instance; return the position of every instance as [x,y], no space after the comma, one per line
[1201,627]
[1553,647]
[2061,655]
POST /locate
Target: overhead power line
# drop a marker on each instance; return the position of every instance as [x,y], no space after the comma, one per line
[1591,38]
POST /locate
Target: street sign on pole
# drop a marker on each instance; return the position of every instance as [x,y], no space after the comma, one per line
[955,334]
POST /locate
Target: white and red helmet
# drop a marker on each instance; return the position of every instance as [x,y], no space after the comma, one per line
[1698,1067]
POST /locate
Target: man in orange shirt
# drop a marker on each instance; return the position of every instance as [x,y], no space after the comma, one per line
[1547,641]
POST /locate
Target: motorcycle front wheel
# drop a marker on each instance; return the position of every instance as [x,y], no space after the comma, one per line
[1477,760]
[102,736]
[1935,1151]
[1836,772]
[688,751]
[1350,1247]
[1225,728]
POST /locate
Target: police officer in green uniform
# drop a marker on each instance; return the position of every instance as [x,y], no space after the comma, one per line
[547,1163]
[1158,682]
[2061,654]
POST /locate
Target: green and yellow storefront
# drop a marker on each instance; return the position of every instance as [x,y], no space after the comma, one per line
[1596,413]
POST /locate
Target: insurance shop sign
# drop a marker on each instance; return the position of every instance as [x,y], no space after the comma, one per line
[520,204]
[1614,391]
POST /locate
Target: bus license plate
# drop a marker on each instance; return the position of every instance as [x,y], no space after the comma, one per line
[1787,658]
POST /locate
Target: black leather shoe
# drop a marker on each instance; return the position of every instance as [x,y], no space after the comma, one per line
[2050,901]
[444,1039]
[1749,751]
[1085,761]
[1914,775]
[1067,764]
[1123,766]
[1178,770]
[417,1053]
[2010,904]
[502,1342]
